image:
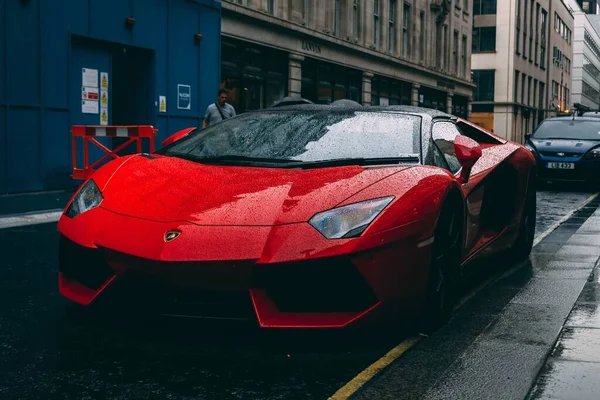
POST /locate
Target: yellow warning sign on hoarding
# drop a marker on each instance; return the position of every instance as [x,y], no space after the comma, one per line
[103,80]
[104,116]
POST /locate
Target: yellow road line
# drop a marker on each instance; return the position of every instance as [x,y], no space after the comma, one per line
[359,380]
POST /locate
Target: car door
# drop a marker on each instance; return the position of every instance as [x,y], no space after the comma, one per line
[492,194]
[443,134]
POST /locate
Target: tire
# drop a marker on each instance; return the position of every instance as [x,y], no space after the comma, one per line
[443,269]
[524,242]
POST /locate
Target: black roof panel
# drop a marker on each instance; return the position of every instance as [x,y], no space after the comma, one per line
[432,113]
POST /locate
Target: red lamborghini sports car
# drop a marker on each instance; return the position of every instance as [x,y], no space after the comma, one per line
[304,216]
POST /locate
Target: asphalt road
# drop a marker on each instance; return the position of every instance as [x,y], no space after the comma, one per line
[47,355]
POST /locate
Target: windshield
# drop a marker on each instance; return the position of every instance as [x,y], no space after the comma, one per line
[568,129]
[305,136]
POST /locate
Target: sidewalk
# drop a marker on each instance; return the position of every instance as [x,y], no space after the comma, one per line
[38,202]
[573,366]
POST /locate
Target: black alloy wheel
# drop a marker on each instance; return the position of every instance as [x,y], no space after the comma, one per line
[444,270]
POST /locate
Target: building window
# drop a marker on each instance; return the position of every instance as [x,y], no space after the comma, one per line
[484,40]
[422,36]
[543,40]
[305,11]
[439,48]
[271,7]
[531,31]
[376,26]
[525,29]
[406,30]
[516,89]
[589,92]
[356,19]
[557,57]
[523,78]
[391,92]
[518,36]
[392,27]
[541,102]
[484,7]
[534,97]
[537,32]
[255,76]
[324,83]
[336,17]
[455,53]
[529,80]
[485,80]
[466,6]
[445,46]
[463,54]
[592,44]
[591,69]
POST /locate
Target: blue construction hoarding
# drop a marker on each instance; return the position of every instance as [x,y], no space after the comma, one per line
[94,62]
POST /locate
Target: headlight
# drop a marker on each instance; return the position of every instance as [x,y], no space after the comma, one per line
[593,155]
[349,221]
[88,197]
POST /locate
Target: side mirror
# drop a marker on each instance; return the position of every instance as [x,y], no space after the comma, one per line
[176,136]
[468,152]
[527,136]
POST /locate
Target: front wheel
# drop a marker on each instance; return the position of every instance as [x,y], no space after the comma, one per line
[443,270]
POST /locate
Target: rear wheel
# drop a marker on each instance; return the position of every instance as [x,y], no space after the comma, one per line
[524,242]
[444,269]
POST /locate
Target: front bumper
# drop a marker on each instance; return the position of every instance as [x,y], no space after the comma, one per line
[339,288]
[320,293]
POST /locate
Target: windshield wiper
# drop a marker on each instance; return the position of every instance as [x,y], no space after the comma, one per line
[287,163]
[338,162]
[231,158]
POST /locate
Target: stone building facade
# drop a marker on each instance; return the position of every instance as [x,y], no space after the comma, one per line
[376,52]
[522,63]
[586,57]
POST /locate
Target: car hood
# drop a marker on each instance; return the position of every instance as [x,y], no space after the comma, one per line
[173,189]
[564,145]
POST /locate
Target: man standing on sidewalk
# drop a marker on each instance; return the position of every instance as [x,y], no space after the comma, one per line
[219,110]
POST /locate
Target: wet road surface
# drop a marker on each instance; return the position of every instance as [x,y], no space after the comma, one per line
[47,355]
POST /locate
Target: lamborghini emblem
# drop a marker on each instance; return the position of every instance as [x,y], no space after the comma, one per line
[171,235]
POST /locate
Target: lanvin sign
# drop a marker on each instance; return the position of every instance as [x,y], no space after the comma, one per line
[311,47]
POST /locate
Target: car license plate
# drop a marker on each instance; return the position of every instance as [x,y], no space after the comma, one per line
[561,165]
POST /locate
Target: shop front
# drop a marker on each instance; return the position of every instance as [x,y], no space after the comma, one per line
[460,105]
[324,83]
[256,76]
[432,98]
[386,91]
